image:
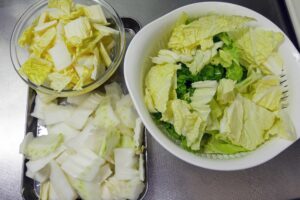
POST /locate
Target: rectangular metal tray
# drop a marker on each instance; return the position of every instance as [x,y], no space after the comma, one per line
[29,187]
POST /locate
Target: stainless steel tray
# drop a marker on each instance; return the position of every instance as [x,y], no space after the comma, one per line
[29,187]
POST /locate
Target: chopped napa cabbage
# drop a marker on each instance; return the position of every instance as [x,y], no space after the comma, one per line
[142,167]
[85,61]
[26,37]
[44,190]
[202,58]
[213,122]
[95,14]
[138,131]
[268,93]
[207,44]
[127,141]
[27,139]
[255,126]
[112,140]
[60,183]
[80,115]
[62,34]
[54,13]
[125,164]
[58,81]
[191,35]
[42,146]
[36,165]
[103,174]
[41,176]
[42,43]
[104,55]
[45,26]
[187,123]
[256,45]
[252,77]
[273,65]
[99,67]
[126,111]
[105,30]
[89,138]
[87,190]
[36,69]
[75,13]
[225,91]
[229,55]
[117,189]
[84,74]
[106,117]
[84,165]
[42,18]
[283,127]
[234,72]
[63,156]
[77,100]
[205,84]
[166,56]
[56,113]
[231,124]
[215,145]
[52,194]
[77,30]
[89,45]
[204,92]
[67,131]
[149,101]
[247,130]
[60,55]
[159,83]
[63,5]
[114,92]
[45,98]
[91,190]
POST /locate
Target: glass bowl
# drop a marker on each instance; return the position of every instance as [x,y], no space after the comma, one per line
[20,55]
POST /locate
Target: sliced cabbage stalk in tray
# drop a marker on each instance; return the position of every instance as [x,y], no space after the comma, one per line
[70,45]
[93,148]
[219,86]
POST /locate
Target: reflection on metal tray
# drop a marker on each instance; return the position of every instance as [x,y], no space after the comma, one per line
[30,188]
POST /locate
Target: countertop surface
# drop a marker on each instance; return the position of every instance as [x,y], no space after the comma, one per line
[169,177]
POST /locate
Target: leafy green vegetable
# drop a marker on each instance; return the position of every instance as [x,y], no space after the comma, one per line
[225,91]
[63,5]
[36,69]
[184,88]
[211,72]
[64,34]
[202,58]
[191,35]
[42,146]
[226,97]
[158,76]
[95,14]
[218,146]
[168,127]
[234,72]
[268,93]
[256,45]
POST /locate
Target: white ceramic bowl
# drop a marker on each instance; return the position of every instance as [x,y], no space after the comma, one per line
[154,36]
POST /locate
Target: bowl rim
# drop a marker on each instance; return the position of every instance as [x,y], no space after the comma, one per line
[248,161]
[69,92]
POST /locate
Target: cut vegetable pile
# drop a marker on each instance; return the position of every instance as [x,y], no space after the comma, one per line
[70,46]
[216,88]
[93,149]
